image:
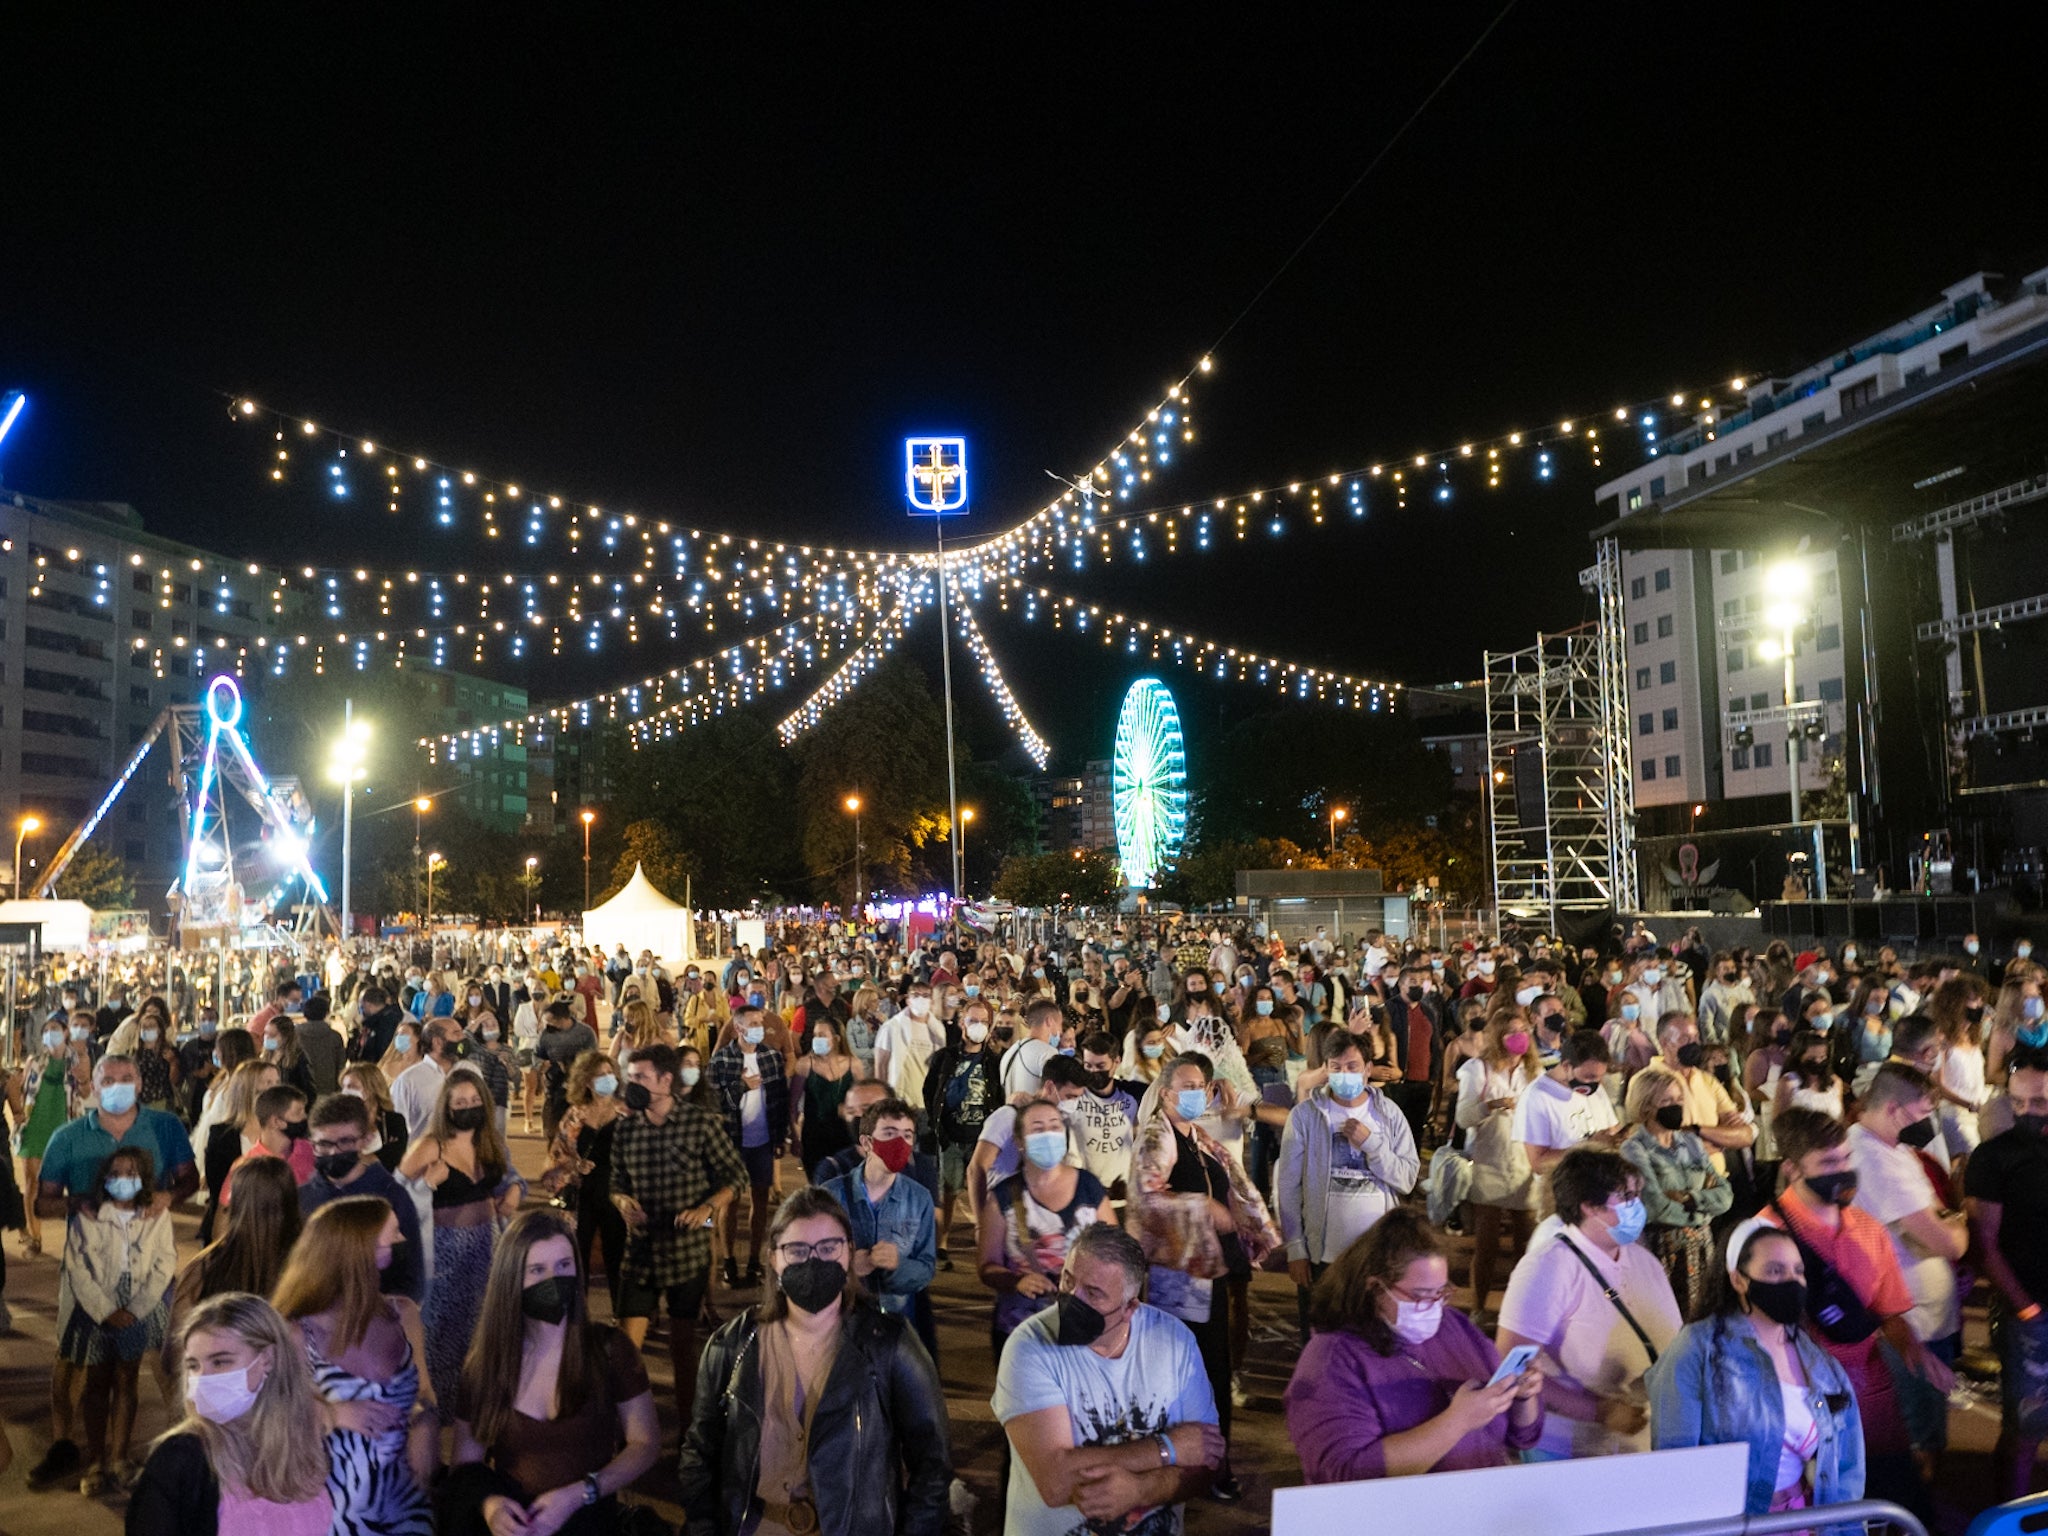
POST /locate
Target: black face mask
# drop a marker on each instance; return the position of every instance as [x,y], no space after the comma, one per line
[1781,1037]
[1723,1072]
[473,1118]
[1916,1135]
[1834,1188]
[1671,1116]
[1782,1301]
[637,1096]
[1415,994]
[547,1301]
[297,1130]
[1973,1012]
[335,1166]
[1691,1053]
[1099,1081]
[1584,1088]
[1080,1324]
[2033,1125]
[813,1284]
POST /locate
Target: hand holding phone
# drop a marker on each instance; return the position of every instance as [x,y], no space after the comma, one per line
[1518,1360]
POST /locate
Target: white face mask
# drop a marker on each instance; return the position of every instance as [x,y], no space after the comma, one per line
[919,1007]
[1527,995]
[977,1032]
[1484,967]
[1416,1322]
[223,1397]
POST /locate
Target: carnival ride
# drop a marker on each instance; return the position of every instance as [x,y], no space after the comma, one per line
[1148,783]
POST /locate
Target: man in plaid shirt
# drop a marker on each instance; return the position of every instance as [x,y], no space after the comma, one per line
[748,1073]
[673,1171]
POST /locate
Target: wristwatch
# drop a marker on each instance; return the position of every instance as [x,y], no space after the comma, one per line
[592,1492]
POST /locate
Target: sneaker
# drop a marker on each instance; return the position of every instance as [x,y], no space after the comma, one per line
[960,1501]
[95,1483]
[1239,1397]
[1226,1489]
[732,1274]
[59,1465]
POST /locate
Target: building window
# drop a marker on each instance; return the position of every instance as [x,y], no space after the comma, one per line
[1664,578]
[1759,701]
[1857,396]
[1763,754]
[1656,488]
[136,852]
[139,582]
[1728,562]
[1829,638]
[1953,356]
[1776,439]
[140,618]
[1735,659]
[1732,609]
[1831,690]
[1646,724]
[1649,769]
[1814,422]
[138,694]
[1636,589]
[1739,758]
[1642,677]
[1664,626]
[1671,768]
[1635,500]
[1670,719]
[1667,671]
[1640,634]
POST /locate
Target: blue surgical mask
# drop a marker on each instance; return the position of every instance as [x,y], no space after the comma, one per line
[117,1098]
[1263,1006]
[971,989]
[2032,1008]
[1631,1011]
[754,1034]
[1347,1085]
[124,1187]
[2032,1036]
[821,1045]
[1191,1103]
[1153,1052]
[604,1087]
[1631,1216]
[689,1077]
[1045,1149]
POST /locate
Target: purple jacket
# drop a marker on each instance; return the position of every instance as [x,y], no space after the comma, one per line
[1346,1398]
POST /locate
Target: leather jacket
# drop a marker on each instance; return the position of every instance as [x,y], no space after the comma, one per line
[880,1459]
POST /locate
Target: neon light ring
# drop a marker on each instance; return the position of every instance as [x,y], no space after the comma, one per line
[1148,782]
[224,702]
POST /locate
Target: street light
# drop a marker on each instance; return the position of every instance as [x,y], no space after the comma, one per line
[1789,585]
[859,867]
[533,884]
[1337,814]
[420,807]
[349,764]
[434,862]
[966,816]
[588,817]
[28,824]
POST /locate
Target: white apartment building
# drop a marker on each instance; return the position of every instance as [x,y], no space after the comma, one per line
[1694,618]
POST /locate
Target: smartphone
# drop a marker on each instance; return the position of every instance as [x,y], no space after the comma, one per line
[1517,1362]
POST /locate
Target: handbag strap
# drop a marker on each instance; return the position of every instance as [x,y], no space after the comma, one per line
[1613,1296]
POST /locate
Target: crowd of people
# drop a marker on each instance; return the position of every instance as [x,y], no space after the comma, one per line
[1719,1197]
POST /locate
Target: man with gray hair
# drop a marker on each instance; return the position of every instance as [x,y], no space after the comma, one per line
[1105,1401]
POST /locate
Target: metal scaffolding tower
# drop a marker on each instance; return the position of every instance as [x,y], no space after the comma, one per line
[1560,796]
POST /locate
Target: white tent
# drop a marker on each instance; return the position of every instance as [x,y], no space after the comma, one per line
[640,917]
[67,925]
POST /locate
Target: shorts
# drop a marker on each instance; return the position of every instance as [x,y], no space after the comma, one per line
[953,1163]
[642,1298]
[760,1163]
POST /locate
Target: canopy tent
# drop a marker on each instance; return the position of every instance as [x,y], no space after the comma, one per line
[640,917]
[67,925]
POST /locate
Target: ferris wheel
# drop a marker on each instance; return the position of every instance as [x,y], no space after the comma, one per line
[1148,782]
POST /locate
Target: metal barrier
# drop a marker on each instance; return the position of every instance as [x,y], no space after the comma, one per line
[2021,1517]
[1871,1516]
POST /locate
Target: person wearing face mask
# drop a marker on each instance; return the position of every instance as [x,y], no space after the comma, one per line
[417,1088]
[2006,1181]
[816,1410]
[1031,1218]
[1393,1382]
[464,1163]
[494,1057]
[894,1227]
[675,1172]
[113,1301]
[962,1088]
[579,1171]
[1710,1113]
[365,1347]
[1022,1066]
[344,1169]
[1748,1373]
[1809,1080]
[276,1127]
[1597,1304]
[753,1089]
[1347,1158]
[1151,1442]
[563,1038]
[1480,982]
[1567,1106]
[1857,1296]
[1958,1008]
[553,1413]
[1726,991]
[1681,1191]
[40,1091]
[906,1043]
[250,1453]
[824,1072]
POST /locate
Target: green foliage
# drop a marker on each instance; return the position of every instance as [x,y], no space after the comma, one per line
[1086,879]
[886,744]
[657,850]
[96,878]
[1276,775]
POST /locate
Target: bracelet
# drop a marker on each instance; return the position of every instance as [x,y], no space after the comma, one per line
[592,1490]
[1168,1457]
[2029,1312]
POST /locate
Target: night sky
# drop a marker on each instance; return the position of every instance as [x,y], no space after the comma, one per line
[715,271]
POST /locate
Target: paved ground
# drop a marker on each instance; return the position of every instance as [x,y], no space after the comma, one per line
[1263,1456]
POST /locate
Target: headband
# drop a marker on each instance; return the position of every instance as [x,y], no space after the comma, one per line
[1739,1236]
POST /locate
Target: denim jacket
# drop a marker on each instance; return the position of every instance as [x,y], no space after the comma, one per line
[1716,1385]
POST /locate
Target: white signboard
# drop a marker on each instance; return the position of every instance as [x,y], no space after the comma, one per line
[1558,1498]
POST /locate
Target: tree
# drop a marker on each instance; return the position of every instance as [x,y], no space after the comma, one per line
[96,878]
[655,849]
[1205,874]
[1080,878]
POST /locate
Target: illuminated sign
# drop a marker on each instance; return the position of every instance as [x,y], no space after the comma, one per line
[935,476]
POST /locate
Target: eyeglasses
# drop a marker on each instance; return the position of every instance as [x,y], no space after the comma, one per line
[353,1144]
[832,1250]
[1422,1298]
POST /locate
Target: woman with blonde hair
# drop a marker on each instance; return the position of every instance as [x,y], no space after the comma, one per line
[229,1136]
[1490,1084]
[365,1349]
[2020,1009]
[404,1050]
[579,1170]
[1682,1193]
[640,1026]
[249,1458]
[863,1022]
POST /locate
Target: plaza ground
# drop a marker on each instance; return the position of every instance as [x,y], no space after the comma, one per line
[1263,1456]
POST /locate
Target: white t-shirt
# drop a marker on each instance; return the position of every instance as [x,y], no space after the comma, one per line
[1156,1383]
[1104,1130]
[1355,1201]
[1891,1185]
[753,1105]
[1551,1115]
[1553,1301]
[909,1044]
[1023,1066]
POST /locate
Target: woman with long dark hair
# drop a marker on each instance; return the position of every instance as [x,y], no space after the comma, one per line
[553,1414]
[262,1224]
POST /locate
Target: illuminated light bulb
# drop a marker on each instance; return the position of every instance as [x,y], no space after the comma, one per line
[308,428]
[1678,400]
[419,463]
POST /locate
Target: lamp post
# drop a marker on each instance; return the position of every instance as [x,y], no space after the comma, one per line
[27,825]
[434,862]
[859,866]
[1337,814]
[966,816]
[347,764]
[420,806]
[533,885]
[1789,584]
[588,817]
